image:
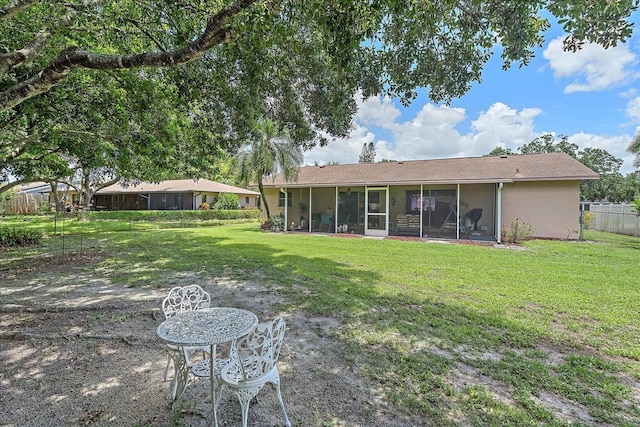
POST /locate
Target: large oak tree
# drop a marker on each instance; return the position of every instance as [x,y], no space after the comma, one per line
[152,87]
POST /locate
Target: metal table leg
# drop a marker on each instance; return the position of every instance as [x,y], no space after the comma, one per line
[212,377]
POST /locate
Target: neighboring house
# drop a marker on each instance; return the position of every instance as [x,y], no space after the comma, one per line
[181,194]
[33,188]
[475,197]
[31,197]
[44,188]
[38,195]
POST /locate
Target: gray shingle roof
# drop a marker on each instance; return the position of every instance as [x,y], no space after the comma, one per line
[466,170]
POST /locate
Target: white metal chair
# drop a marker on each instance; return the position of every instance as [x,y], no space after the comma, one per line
[179,300]
[254,364]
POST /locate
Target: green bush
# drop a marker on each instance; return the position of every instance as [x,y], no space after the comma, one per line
[587,217]
[19,237]
[275,223]
[150,216]
[519,231]
[226,201]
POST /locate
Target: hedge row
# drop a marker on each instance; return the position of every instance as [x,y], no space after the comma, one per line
[198,215]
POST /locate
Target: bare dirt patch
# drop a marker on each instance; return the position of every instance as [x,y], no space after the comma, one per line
[75,350]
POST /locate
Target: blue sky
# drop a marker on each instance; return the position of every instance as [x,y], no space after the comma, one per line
[592,96]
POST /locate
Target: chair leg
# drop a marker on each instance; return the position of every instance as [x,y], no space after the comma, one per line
[276,384]
[244,398]
[181,375]
[166,369]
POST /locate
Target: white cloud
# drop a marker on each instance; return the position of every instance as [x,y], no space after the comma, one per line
[377,110]
[633,110]
[341,150]
[629,93]
[502,126]
[433,133]
[593,67]
[430,134]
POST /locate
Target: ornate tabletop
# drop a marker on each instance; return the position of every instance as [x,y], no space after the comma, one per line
[207,326]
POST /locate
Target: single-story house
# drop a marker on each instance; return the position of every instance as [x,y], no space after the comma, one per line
[180,194]
[473,197]
[34,188]
[30,197]
[45,197]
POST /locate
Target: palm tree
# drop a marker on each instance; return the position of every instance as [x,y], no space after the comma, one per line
[634,148]
[274,152]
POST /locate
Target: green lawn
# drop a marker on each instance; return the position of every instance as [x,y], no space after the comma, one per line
[557,319]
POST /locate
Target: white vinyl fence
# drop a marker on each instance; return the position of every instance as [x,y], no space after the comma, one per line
[615,218]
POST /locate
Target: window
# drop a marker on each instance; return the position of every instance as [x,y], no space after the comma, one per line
[281,200]
[204,198]
[246,200]
[413,202]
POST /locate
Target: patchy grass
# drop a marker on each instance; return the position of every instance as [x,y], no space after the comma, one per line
[548,335]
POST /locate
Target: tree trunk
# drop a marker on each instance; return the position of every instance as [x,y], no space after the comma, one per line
[86,191]
[264,200]
[56,199]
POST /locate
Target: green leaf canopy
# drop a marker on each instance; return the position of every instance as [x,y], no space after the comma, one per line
[153,87]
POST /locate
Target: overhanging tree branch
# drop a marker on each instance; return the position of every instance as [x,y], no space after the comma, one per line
[14,7]
[216,33]
[13,150]
[20,57]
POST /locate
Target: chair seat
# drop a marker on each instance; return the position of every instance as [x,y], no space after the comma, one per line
[254,365]
[232,376]
[189,350]
[201,368]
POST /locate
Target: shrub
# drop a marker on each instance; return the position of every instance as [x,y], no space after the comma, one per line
[587,217]
[226,201]
[19,237]
[518,232]
[204,206]
[275,223]
[201,214]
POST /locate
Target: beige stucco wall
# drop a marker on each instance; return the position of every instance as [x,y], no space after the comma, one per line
[210,197]
[246,200]
[551,208]
[271,194]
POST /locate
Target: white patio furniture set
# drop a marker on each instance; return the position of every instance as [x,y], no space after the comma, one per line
[192,326]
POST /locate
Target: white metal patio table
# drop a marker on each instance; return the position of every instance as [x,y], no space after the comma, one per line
[209,326]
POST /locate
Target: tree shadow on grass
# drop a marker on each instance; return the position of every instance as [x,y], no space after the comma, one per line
[82,345]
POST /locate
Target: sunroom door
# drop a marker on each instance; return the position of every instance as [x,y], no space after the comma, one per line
[376,211]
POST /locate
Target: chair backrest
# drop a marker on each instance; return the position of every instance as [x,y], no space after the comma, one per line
[186,298]
[475,214]
[325,219]
[258,352]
